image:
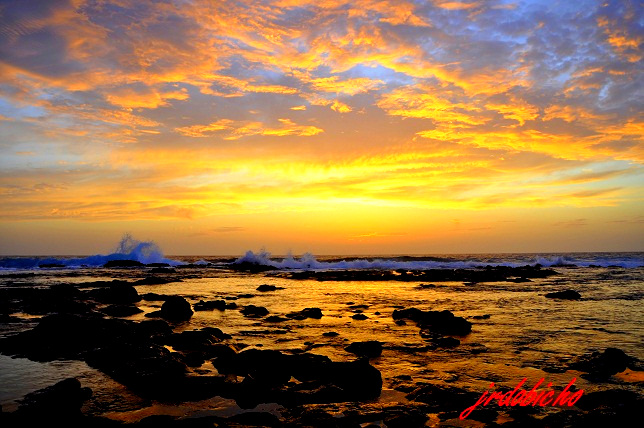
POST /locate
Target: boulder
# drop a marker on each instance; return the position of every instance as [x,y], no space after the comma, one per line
[253,311]
[305,313]
[176,308]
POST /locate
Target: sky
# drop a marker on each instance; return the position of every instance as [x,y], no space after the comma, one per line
[326,126]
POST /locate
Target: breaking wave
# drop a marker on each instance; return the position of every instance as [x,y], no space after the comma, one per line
[309,261]
[127,249]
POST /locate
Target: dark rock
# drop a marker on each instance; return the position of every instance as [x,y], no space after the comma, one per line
[121,310]
[154,328]
[567,294]
[217,333]
[268,287]
[360,317]
[62,400]
[157,265]
[305,313]
[148,369]
[210,305]
[275,318]
[444,398]
[163,270]
[262,419]
[194,359]
[604,364]
[119,293]
[176,308]
[253,311]
[123,263]
[245,296]
[442,322]
[192,340]
[68,336]
[481,317]
[330,334]
[369,349]
[152,297]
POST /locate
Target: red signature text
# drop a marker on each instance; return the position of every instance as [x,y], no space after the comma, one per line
[521,397]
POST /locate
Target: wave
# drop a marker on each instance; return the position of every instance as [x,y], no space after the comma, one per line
[309,261]
[128,248]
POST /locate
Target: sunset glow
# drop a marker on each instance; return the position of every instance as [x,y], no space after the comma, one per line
[335,127]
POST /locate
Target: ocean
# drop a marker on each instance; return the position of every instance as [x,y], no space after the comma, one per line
[516,331]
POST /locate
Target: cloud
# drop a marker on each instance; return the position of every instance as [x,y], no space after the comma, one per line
[178,106]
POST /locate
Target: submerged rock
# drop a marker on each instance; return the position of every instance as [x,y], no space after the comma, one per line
[268,287]
[567,294]
[442,322]
[210,305]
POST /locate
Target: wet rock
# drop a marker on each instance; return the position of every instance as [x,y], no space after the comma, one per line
[68,336]
[50,266]
[268,287]
[566,294]
[369,349]
[481,317]
[613,398]
[275,319]
[123,264]
[121,310]
[444,398]
[148,369]
[315,313]
[154,328]
[154,297]
[360,317]
[601,365]
[442,322]
[176,308]
[210,305]
[217,333]
[253,311]
[119,293]
[62,400]
[192,340]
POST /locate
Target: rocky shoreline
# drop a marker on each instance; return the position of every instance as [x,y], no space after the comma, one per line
[86,321]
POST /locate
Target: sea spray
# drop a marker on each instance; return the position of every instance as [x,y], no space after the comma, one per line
[128,248]
[308,261]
